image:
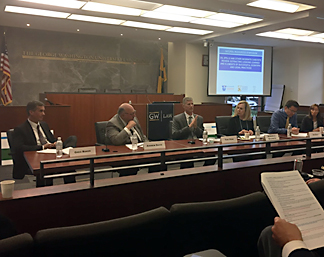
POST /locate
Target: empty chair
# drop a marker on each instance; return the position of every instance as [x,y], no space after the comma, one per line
[87,90]
[112,90]
[100,128]
[222,124]
[264,123]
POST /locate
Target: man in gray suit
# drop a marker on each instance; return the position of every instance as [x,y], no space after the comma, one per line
[123,125]
[187,125]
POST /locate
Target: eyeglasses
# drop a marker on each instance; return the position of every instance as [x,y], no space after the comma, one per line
[292,110]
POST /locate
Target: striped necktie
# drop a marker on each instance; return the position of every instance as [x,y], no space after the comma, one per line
[41,137]
[287,122]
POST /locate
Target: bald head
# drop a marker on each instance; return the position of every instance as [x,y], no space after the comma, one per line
[126,112]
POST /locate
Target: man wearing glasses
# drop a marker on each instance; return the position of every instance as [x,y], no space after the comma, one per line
[123,125]
[282,118]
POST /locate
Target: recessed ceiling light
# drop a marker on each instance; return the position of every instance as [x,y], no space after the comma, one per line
[234,18]
[108,8]
[189,31]
[298,32]
[95,19]
[307,39]
[61,3]
[320,35]
[78,30]
[216,23]
[24,10]
[121,35]
[167,16]
[274,35]
[183,11]
[159,38]
[280,5]
[145,25]
[28,25]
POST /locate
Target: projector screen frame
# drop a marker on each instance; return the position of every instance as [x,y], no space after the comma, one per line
[268,57]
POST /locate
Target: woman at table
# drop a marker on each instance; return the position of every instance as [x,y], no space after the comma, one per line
[313,120]
[241,122]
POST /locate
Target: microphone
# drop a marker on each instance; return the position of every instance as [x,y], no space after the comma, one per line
[50,102]
[105,149]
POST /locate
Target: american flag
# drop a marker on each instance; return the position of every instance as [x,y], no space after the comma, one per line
[6,94]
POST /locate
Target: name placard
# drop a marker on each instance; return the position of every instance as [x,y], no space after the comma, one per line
[81,151]
[271,137]
[229,140]
[154,145]
[315,134]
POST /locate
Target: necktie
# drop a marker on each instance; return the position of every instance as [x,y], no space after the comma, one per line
[287,122]
[190,120]
[41,137]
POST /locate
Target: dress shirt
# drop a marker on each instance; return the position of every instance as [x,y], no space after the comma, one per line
[131,131]
[278,122]
[292,246]
[187,117]
[34,127]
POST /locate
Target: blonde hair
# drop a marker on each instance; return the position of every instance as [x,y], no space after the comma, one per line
[247,115]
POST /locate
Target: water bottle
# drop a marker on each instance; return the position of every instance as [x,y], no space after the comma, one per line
[289,130]
[257,133]
[205,137]
[134,142]
[59,148]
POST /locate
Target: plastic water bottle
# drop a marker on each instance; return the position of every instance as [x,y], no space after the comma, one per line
[134,142]
[59,148]
[289,129]
[257,133]
[205,137]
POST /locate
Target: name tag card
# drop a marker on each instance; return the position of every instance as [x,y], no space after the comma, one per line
[154,145]
[229,140]
[315,134]
[271,137]
[82,151]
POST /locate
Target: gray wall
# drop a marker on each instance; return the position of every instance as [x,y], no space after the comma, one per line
[44,61]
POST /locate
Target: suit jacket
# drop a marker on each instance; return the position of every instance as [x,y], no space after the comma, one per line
[235,126]
[116,135]
[305,253]
[25,140]
[181,130]
[308,125]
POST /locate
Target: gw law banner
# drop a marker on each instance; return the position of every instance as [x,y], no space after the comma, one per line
[159,116]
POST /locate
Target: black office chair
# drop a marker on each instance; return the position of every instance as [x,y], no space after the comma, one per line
[100,128]
[170,129]
[300,117]
[222,124]
[264,123]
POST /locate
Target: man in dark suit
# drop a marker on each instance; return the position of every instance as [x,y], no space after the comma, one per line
[284,239]
[121,127]
[188,125]
[34,135]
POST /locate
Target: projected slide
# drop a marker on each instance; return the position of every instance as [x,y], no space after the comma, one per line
[240,71]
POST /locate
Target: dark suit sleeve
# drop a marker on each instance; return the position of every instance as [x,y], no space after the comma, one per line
[233,129]
[198,131]
[303,253]
[307,124]
[179,132]
[50,137]
[23,142]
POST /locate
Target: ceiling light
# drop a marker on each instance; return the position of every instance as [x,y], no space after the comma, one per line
[307,39]
[107,8]
[298,32]
[95,19]
[183,11]
[274,35]
[167,16]
[61,3]
[320,35]
[275,5]
[234,18]
[189,31]
[28,25]
[216,23]
[145,25]
[23,10]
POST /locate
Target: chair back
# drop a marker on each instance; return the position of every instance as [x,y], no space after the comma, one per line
[264,123]
[300,117]
[10,137]
[170,129]
[100,128]
[222,124]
